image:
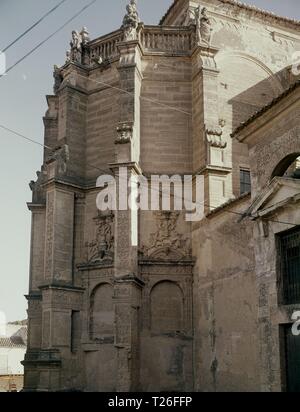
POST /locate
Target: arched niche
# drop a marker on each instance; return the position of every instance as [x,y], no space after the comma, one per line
[101,312]
[166,304]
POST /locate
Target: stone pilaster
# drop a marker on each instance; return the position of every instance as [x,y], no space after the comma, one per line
[127,284]
[127,300]
[58,258]
[72,106]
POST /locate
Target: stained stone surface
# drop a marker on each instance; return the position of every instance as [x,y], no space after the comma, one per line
[148,301]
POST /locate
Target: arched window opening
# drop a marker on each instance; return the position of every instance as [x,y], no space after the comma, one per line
[101,312]
[288,167]
[166,308]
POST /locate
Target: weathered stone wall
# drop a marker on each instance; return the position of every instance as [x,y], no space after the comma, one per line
[272,139]
[166,145]
[102,120]
[277,139]
[163,304]
[225,303]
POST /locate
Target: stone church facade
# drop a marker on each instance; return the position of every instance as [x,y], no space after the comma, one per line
[147,301]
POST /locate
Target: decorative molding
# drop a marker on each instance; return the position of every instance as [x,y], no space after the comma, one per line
[214,137]
[124,133]
[167,242]
[278,37]
[228,18]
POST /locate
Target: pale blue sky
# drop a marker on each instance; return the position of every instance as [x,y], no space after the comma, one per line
[23,104]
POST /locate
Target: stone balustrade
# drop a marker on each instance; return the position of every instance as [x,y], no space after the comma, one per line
[153,39]
[106,47]
[167,39]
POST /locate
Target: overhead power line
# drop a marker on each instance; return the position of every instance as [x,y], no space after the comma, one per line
[33,26]
[160,191]
[49,37]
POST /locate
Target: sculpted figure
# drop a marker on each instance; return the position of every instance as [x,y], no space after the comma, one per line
[85,36]
[205,27]
[76,47]
[68,56]
[131,21]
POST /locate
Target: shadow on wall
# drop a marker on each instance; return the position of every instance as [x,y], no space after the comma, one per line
[249,102]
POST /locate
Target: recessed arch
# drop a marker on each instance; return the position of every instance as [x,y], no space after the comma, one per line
[274,80]
[101,311]
[166,306]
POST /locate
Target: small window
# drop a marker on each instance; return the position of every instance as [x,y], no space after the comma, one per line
[75,331]
[245,181]
[290,266]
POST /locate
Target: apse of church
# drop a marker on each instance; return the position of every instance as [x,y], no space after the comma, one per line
[124,301]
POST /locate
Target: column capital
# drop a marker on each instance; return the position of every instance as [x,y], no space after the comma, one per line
[203,57]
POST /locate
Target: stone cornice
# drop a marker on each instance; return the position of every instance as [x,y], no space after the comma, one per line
[130,279]
[262,14]
[69,288]
[216,169]
[161,262]
[34,207]
[34,296]
[268,113]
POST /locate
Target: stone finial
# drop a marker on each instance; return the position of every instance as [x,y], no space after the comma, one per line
[131,21]
[78,42]
[85,36]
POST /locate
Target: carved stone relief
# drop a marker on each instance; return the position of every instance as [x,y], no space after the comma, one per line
[203,23]
[214,137]
[78,44]
[124,133]
[166,242]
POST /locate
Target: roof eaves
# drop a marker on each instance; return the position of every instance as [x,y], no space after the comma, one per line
[260,112]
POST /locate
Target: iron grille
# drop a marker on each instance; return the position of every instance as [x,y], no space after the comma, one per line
[245,181]
[292,360]
[290,266]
